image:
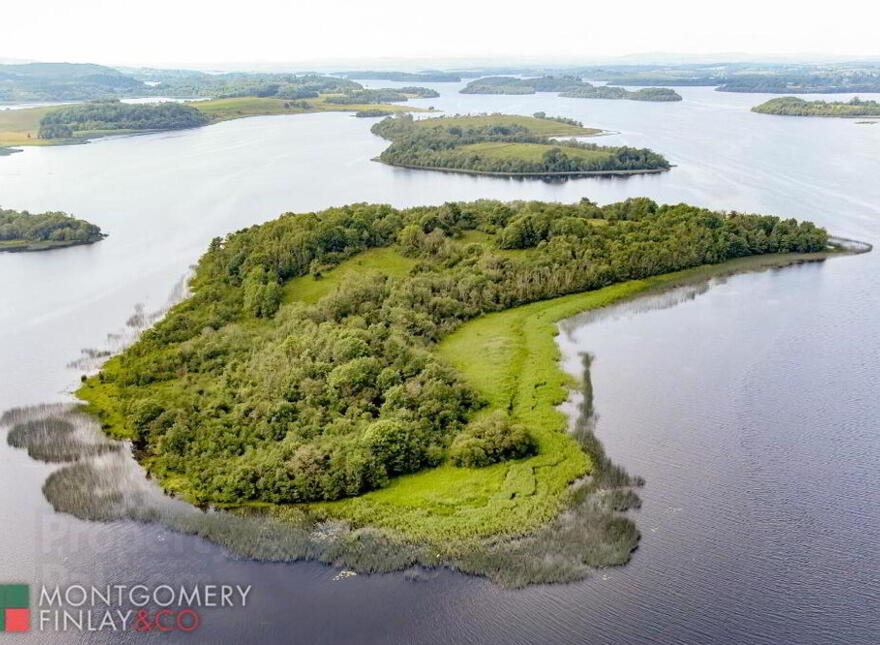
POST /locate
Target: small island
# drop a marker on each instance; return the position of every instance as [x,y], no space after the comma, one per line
[568,86]
[794,106]
[23,231]
[386,381]
[508,146]
[653,94]
[8,151]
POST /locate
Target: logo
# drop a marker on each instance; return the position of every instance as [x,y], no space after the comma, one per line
[15,613]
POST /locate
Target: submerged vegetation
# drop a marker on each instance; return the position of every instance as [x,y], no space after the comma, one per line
[793,106]
[24,231]
[568,86]
[506,145]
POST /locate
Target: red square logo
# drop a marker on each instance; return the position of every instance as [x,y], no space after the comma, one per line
[17,620]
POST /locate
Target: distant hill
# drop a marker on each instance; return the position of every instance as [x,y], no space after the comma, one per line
[62,82]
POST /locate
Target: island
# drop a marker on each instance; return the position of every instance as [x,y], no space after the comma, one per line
[23,231]
[794,106]
[655,94]
[508,146]
[385,381]
[8,151]
[569,86]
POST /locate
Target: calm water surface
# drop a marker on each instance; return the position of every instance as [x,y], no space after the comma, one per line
[751,409]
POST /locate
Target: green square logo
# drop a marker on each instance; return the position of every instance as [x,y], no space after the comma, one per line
[15,608]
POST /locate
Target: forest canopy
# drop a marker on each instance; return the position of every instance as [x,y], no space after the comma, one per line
[252,391]
[114,115]
[569,86]
[21,230]
[794,106]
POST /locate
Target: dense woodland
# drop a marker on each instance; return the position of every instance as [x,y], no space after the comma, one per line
[45,227]
[618,93]
[793,106]
[246,398]
[381,95]
[113,115]
[569,86]
[441,146]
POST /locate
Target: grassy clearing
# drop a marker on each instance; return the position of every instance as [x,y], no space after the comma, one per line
[532,152]
[309,290]
[540,127]
[20,127]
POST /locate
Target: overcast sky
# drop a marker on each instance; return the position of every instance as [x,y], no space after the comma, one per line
[178,31]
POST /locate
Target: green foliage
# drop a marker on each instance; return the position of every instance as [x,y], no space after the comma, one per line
[233,398]
[658,94]
[445,144]
[54,228]
[569,86]
[113,115]
[793,106]
[491,440]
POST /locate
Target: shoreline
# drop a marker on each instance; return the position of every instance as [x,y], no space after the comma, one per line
[530,175]
[36,246]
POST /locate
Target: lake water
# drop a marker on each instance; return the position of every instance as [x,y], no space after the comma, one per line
[751,408]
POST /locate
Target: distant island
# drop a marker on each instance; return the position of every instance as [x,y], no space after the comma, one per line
[405,77]
[794,106]
[658,94]
[24,231]
[507,145]
[569,86]
[8,151]
[394,373]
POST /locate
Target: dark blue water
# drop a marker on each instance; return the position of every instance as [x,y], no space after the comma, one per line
[751,409]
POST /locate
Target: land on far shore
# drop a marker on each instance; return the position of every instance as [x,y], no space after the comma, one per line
[24,127]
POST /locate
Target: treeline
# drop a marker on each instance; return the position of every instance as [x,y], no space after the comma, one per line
[381,95]
[512,85]
[793,106]
[620,93]
[569,86]
[244,398]
[405,77]
[113,115]
[417,145]
[52,226]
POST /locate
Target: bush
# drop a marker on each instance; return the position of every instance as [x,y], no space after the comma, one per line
[492,440]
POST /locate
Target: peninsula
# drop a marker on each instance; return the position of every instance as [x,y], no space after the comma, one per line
[24,231]
[507,145]
[395,372]
[78,123]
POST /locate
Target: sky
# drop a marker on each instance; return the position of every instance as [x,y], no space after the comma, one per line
[162,32]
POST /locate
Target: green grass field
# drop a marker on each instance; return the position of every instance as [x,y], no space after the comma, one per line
[540,127]
[529,151]
[20,127]
[309,290]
